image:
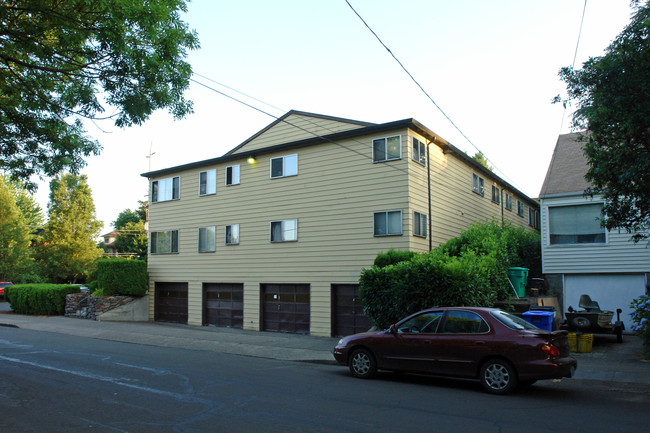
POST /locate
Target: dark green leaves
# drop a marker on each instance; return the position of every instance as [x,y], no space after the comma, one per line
[62,61]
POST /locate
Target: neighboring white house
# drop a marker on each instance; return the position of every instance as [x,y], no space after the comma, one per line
[578,255]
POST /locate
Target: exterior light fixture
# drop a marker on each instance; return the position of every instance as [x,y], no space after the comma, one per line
[251,159]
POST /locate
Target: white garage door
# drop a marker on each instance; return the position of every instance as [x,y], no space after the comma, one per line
[610,291]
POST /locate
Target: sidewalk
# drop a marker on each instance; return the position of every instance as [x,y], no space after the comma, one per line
[608,361]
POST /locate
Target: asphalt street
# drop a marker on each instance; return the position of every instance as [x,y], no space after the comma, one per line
[52,382]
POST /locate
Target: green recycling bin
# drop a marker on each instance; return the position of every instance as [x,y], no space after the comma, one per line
[518,278]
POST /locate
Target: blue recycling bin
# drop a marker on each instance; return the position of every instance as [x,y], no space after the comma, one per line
[541,319]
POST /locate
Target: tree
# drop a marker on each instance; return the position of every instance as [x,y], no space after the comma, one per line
[131,234]
[14,235]
[481,159]
[69,249]
[612,93]
[64,61]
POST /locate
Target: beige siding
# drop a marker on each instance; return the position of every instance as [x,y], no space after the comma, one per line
[296,127]
[618,255]
[333,197]
[454,206]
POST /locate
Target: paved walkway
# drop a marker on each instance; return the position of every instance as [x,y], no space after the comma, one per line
[608,362]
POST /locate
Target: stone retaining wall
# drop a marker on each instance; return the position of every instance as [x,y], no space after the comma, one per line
[86,306]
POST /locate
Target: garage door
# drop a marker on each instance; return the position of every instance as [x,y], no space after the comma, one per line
[347,312]
[285,308]
[223,305]
[171,302]
[609,290]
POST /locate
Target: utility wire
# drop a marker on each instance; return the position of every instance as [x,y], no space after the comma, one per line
[424,91]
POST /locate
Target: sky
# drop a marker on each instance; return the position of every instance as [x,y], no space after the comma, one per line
[491,66]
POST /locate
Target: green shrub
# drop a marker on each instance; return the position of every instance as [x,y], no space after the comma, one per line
[392,257]
[122,277]
[39,299]
[436,279]
[469,270]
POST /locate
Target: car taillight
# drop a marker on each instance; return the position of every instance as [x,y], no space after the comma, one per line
[550,350]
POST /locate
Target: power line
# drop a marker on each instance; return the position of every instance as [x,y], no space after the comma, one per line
[424,91]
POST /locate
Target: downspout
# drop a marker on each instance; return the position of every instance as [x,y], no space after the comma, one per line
[502,212]
[429,193]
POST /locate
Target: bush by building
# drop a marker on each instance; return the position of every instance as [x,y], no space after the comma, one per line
[39,299]
[121,276]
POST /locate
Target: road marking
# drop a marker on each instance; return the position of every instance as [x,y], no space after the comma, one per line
[113,380]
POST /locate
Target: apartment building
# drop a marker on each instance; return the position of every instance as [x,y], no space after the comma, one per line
[272,236]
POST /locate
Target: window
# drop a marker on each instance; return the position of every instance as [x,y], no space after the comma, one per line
[208,182]
[207,239]
[478,184]
[419,224]
[533,218]
[464,322]
[165,189]
[232,234]
[520,208]
[387,149]
[419,153]
[425,323]
[496,194]
[284,231]
[232,175]
[284,166]
[164,242]
[579,224]
[508,202]
[388,223]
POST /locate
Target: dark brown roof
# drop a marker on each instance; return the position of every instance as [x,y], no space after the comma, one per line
[566,172]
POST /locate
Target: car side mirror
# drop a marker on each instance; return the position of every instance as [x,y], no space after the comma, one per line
[393,329]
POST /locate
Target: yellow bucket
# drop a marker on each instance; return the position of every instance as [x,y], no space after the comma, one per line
[573,342]
[585,342]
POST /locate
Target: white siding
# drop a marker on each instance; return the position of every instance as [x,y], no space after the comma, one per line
[619,254]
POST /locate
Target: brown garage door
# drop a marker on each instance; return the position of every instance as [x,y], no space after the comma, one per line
[223,304]
[347,312]
[285,308]
[171,302]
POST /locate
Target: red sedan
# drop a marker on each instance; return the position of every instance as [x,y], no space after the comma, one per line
[4,284]
[497,348]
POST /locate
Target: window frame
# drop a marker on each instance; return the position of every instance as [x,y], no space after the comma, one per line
[284,166]
[602,236]
[421,152]
[154,234]
[478,185]
[520,208]
[283,230]
[496,194]
[175,189]
[226,234]
[231,168]
[386,212]
[385,158]
[214,240]
[508,204]
[213,184]
[418,224]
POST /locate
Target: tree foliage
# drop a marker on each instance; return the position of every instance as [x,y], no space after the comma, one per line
[14,235]
[481,159]
[131,234]
[612,93]
[69,249]
[64,61]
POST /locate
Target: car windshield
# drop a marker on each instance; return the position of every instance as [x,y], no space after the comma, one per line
[512,321]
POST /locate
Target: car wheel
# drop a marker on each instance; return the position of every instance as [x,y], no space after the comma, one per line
[362,363]
[581,323]
[498,376]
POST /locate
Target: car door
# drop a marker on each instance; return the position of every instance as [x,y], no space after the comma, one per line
[410,346]
[463,340]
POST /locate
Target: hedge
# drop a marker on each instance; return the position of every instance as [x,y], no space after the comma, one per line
[122,277]
[39,299]
[436,279]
